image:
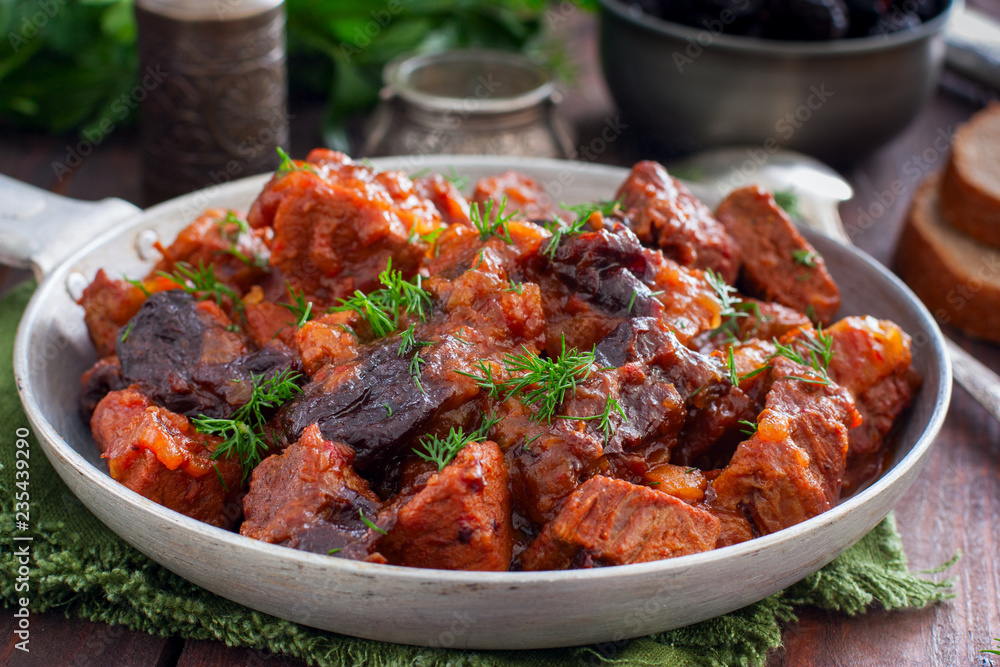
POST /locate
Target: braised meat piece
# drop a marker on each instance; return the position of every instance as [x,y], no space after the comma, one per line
[159,455]
[238,255]
[778,263]
[108,305]
[611,522]
[758,320]
[523,194]
[791,469]
[374,403]
[459,520]
[445,197]
[593,281]
[664,214]
[337,224]
[329,339]
[181,353]
[309,498]
[103,377]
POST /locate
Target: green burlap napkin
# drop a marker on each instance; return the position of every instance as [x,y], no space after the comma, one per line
[81,568]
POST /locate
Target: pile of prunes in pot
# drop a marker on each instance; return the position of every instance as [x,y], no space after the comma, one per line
[796,20]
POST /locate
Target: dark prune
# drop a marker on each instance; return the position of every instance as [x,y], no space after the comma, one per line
[808,20]
[716,16]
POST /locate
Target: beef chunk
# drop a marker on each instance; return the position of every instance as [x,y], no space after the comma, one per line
[459,520]
[180,353]
[159,455]
[337,224]
[664,214]
[523,194]
[611,522]
[778,263]
[238,255]
[310,498]
[445,197]
[108,305]
[791,469]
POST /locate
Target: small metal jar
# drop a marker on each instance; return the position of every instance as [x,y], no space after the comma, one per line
[474,101]
[214,105]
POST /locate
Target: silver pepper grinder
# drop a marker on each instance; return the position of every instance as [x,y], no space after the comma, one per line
[215,106]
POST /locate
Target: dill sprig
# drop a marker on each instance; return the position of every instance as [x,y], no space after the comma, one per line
[288,165]
[201,283]
[384,307]
[817,356]
[805,257]
[370,523]
[611,406]
[789,201]
[138,284]
[584,211]
[541,382]
[299,307]
[560,229]
[750,428]
[233,237]
[517,288]
[994,651]
[488,223]
[243,433]
[443,450]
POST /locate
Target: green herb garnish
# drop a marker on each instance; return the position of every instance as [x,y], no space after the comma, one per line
[201,283]
[243,433]
[370,523]
[288,165]
[584,211]
[257,261]
[789,201]
[805,257]
[128,330]
[488,223]
[300,308]
[750,428]
[818,354]
[443,450]
[384,307]
[137,284]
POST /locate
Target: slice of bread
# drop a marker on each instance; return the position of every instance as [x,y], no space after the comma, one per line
[970,188]
[956,276]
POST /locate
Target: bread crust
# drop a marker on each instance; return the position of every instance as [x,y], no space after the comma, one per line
[970,187]
[958,278]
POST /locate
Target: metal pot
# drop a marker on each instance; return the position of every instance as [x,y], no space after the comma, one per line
[694,88]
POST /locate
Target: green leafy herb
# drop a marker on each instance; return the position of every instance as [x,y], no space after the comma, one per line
[734,378]
[300,308]
[559,229]
[690,470]
[492,223]
[539,381]
[527,443]
[233,237]
[443,450]
[455,179]
[994,651]
[388,409]
[750,428]
[202,283]
[219,473]
[128,330]
[288,165]
[584,211]
[384,307]
[789,201]
[517,288]
[333,551]
[817,355]
[408,341]
[429,238]
[243,433]
[415,363]
[805,257]
[137,284]
[631,301]
[370,523]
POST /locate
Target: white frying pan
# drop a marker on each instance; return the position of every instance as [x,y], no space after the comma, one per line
[68,241]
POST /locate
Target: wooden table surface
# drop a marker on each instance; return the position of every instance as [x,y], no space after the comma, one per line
[954,505]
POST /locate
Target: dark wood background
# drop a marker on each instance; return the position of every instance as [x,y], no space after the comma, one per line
[954,505]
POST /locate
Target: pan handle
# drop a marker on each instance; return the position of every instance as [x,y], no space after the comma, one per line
[39,229]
